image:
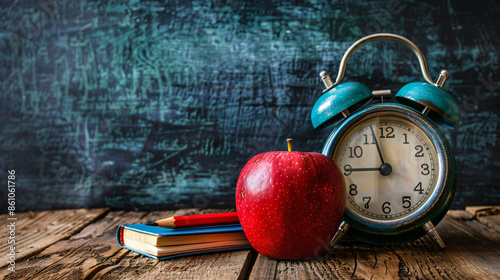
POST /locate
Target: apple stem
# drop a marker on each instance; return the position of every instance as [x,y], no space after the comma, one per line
[289,142]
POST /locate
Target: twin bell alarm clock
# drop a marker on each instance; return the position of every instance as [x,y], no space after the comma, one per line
[398,166]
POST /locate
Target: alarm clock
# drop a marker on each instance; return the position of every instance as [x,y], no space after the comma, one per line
[397,164]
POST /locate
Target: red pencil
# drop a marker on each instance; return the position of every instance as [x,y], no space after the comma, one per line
[199,220]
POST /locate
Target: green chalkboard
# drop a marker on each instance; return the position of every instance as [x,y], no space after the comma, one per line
[159,104]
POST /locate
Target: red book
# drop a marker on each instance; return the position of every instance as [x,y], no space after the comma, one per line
[202,220]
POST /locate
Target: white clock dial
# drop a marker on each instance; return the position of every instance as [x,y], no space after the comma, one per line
[390,166]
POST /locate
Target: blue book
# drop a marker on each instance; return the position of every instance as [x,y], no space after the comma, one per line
[164,243]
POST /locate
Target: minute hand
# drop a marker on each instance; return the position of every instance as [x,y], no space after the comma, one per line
[376,143]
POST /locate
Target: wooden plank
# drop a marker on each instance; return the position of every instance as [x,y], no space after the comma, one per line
[248,265]
[488,215]
[420,259]
[88,252]
[35,231]
[477,211]
[475,249]
[460,215]
[264,268]
[93,244]
[339,265]
[460,260]
[227,265]
[491,221]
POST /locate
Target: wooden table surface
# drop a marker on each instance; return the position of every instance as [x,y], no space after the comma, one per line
[81,244]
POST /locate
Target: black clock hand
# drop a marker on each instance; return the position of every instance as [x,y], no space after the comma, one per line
[376,143]
[385,169]
[348,169]
[363,169]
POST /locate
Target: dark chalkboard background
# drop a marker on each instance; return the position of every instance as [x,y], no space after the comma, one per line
[154,105]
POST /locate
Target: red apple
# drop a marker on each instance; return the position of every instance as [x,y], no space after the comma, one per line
[290,204]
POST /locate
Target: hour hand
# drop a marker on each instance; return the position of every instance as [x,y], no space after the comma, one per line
[348,169]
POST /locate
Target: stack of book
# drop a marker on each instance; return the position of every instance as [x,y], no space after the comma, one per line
[184,235]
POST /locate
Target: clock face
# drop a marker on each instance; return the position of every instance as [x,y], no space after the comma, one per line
[390,166]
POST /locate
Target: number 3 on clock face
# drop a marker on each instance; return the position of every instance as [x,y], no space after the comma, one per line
[395,165]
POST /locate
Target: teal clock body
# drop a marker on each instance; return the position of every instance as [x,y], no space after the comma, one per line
[398,166]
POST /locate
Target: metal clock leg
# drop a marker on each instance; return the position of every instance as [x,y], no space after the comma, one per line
[432,233]
[340,233]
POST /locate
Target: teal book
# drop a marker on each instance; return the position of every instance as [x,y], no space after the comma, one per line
[164,243]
